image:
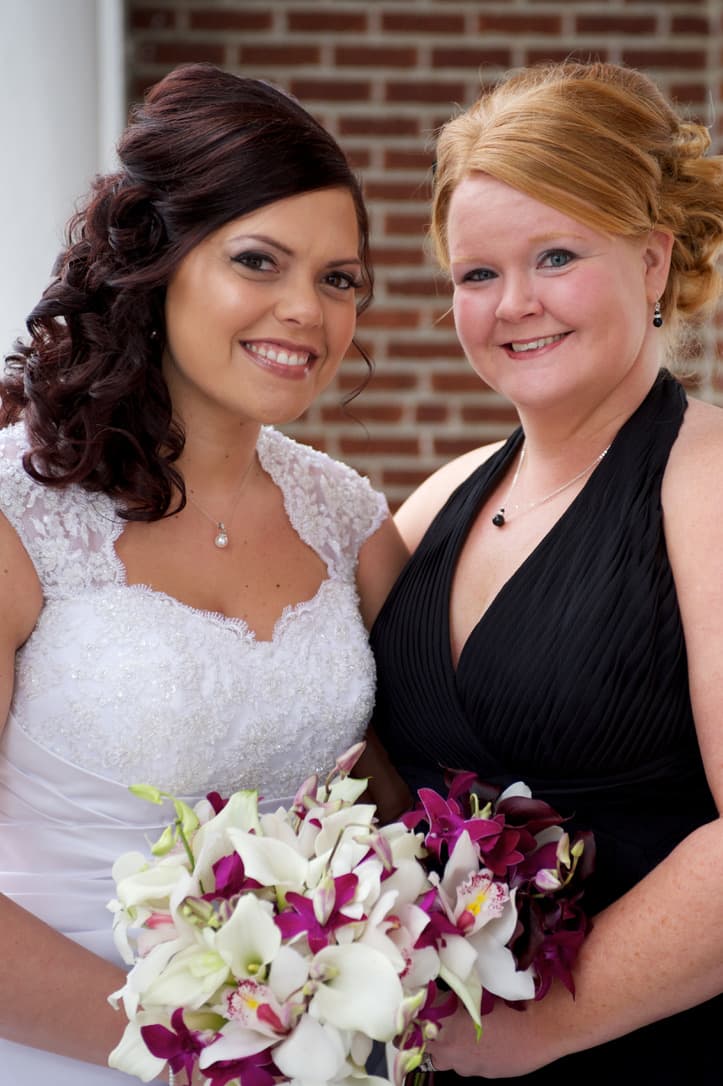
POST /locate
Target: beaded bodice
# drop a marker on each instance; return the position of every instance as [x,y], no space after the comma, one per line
[132,684]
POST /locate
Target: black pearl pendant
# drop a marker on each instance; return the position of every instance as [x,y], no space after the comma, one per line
[499,518]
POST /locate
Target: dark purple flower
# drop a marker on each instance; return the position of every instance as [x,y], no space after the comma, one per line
[447,823]
[180,1046]
[434,932]
[255,1070]
[230,878]
[501,852]
[300,916]
[217,801]
[541,858]
[556,957]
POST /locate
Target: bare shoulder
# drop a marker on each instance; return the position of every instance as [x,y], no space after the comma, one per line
[693,519]
[419,510]
[21,596]
[698,451]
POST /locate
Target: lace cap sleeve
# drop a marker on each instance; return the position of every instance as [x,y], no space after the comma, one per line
[331,506]
[67,532]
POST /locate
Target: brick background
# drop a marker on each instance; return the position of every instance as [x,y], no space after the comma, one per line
[382,75]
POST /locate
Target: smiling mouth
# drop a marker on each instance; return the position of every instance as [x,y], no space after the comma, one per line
[278,355]
[535,344]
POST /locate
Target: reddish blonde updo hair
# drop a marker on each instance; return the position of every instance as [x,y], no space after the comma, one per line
[600,143]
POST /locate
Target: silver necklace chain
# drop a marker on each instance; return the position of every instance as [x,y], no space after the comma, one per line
[500,518]
[221,539]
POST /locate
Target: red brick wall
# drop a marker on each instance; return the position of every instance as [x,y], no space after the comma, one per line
[382,75]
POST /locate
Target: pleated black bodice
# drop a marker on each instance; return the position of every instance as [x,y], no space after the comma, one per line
[575,681]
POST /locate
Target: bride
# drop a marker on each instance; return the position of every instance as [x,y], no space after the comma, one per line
[185,592]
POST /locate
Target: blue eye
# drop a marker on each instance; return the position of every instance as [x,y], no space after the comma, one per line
[556,258]
[478,275]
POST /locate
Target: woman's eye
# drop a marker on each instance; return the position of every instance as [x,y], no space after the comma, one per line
[478,275]
[556,258]
[343,281]
[255,261]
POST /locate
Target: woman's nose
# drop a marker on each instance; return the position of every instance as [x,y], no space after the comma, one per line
[518,299]
[300,304]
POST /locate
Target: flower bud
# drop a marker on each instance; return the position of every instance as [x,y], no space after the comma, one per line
[147,792]
[165,842]
[346,761]
[324,898]
[198,912]
[187,818]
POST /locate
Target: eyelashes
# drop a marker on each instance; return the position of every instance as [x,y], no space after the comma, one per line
[256,261]
[556,258]
[551,260]
[344,281]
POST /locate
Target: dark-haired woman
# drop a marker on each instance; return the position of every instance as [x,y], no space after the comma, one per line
[184,592]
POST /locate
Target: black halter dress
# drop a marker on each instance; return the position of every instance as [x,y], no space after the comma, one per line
[575,681]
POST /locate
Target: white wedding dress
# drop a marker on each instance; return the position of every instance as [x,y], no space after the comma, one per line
[121,684]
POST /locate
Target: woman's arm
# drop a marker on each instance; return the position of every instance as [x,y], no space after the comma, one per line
[381,559]
[53,993]
[659,949]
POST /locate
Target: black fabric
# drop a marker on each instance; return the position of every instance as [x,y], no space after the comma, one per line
[575,681]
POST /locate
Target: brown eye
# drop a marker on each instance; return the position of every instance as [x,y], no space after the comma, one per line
[343,281]
[255,261]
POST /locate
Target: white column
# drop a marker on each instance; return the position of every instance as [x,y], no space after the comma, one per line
[61,111]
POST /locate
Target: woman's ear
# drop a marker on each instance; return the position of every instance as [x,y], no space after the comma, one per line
[656,257]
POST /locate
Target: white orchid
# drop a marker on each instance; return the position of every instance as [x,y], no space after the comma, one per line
[131,1054]
[357,988]
[270,861]
[488,918]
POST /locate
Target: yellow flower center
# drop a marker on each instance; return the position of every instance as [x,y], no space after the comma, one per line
[475,906]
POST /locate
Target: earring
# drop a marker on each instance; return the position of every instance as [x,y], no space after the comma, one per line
[657,316]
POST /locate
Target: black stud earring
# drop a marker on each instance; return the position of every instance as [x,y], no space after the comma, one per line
[657,316]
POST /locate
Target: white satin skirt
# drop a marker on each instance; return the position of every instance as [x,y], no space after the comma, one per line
[61,830]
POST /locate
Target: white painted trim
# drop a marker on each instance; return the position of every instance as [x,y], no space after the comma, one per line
[62,109]
[111,80]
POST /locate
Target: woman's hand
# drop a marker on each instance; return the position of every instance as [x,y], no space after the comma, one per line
[511,1044]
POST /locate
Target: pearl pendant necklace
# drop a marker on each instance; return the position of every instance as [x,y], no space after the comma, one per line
[500,519]
[221,538]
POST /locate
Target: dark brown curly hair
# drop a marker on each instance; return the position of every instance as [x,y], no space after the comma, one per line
[205,147]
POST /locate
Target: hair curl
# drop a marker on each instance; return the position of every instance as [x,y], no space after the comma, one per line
[600,143]
[204,148]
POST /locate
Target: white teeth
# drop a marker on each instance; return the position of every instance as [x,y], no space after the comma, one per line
[535,344]
[281,357]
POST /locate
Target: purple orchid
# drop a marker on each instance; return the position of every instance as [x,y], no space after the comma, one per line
[180,1046]
[556,958]
[318,920]
[447,822]
[217,801]
[230,878]
[257,1069]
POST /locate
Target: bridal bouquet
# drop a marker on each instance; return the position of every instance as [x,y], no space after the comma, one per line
[270,947]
